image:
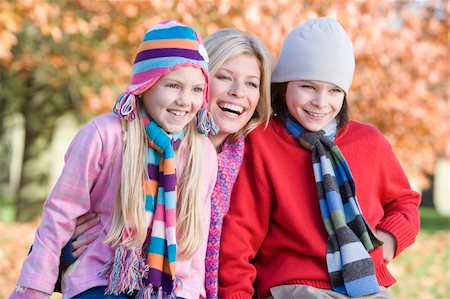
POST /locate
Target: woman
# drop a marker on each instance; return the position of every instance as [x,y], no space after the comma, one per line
[240,67]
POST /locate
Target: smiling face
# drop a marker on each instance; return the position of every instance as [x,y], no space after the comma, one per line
[174,100]
[234,95]
[313,103]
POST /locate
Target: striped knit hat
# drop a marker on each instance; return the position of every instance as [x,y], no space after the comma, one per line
[167,46]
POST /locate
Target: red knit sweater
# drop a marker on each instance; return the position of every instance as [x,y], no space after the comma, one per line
[274,218]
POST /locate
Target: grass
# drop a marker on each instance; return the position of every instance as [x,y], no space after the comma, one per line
[431,221]
[7,208]
[422,270]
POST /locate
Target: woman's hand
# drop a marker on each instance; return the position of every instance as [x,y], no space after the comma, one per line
[389,246]
[84,223]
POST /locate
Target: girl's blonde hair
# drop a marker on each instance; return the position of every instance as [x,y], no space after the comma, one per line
[129,213]
[229,42]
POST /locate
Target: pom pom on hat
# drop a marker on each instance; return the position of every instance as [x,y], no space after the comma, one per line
[318,49]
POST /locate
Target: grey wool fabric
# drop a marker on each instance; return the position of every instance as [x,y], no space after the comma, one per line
[318,49]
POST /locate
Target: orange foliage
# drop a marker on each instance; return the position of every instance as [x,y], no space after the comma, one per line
[15,243]
[401,79]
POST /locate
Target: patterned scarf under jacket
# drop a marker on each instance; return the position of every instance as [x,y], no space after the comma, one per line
[229,162]
[350,238]
[154,278]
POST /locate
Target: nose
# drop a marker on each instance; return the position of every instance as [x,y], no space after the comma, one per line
[320,99]
[183,99]
[237,89]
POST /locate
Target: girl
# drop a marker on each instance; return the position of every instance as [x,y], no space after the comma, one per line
[161,216]
[317,194]
[240,67]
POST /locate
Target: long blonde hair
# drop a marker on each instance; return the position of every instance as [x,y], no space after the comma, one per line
[229,42]
[189,222]
[129,213]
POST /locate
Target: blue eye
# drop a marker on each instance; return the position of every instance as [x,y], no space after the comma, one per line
[198,89]
[172,85]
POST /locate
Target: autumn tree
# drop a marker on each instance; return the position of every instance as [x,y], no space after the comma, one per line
[59,53]
[75,57]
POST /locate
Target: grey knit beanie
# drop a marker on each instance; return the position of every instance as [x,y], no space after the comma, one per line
[319,49]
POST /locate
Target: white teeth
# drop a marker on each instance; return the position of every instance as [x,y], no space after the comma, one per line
[316,114]
[232,108]
[177,112]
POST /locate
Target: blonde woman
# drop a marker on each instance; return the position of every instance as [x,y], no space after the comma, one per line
[240,68]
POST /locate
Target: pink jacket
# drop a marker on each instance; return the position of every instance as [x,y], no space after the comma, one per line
[89,182]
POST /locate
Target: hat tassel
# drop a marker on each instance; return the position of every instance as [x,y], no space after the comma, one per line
[205,123]
[125,105]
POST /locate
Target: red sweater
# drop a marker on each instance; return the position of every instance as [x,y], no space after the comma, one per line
[275,222]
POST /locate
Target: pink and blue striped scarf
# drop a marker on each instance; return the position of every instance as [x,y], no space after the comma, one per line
[350,267]
[154,277]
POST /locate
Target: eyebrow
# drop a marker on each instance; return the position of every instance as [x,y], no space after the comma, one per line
[312,83]
[225,69]
[181,81]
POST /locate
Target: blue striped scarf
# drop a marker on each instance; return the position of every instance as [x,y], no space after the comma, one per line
[350,237]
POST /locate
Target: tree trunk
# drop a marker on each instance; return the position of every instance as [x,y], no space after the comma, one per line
[39,126]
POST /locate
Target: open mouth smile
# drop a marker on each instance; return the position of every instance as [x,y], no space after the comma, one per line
[177,113]
[235,109]
[316,115]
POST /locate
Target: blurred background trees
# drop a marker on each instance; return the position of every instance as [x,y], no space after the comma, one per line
[72,58]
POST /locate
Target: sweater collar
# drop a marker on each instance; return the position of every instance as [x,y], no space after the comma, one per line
[280,129]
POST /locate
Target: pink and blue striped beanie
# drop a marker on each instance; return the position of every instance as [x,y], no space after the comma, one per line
[166,46]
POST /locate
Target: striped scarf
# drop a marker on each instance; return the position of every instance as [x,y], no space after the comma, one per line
[154,278]
[350,237]
[229,162]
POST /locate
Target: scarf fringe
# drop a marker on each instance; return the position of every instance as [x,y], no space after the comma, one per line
[205,123]
[126,271]
[151,292]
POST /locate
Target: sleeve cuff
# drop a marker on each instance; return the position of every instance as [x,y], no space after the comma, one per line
[401,229]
